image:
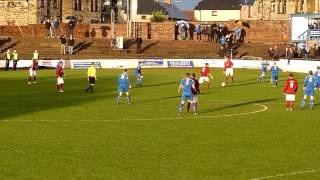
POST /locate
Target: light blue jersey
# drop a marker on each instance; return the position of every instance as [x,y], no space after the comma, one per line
[123,83]
[274,72]
[317,75]
[138,72]
[187,85]
[264,66]
[310,83]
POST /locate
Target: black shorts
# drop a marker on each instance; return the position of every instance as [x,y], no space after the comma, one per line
[92,80]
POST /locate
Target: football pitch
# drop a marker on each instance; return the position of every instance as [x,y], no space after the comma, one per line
[242,130]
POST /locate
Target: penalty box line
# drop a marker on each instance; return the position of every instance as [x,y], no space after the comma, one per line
[263,108]
[287,174]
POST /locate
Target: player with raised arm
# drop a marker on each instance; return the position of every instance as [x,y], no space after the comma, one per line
[60,74]
[310,84]
[290,90]
[274,74]
[195,93]
[205,74]
[186,86]
[228,70]
[138,75]
[32,71]
[264,67]
[124,86]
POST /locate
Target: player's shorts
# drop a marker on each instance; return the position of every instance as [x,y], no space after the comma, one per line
[203,79]
[92,80]
[263,73]
[229,72]
[195,98]
[32,72]
[309,92]
[123,88]
[138,75]
[188,97]
[290,97]
[274,78]
[60,80]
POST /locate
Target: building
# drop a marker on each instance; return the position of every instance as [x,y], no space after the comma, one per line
[276,9]
[217,10]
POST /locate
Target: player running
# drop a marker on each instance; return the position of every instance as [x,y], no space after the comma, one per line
[264,68]
[92,77]
[310,84]
[32,72]
[124,86]
[290,90]
[205,74]
[60,74]
[186,86]
[274,74]
[228,69]
[138,74]
[195,93]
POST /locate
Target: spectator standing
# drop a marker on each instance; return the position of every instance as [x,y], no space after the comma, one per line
[15,58]
[63,42]
[223,41]
[198,31]
[139,42]
[313,51]
[8,57]
[237,33]
[243,35]
[176,32]
[55,27]
[71,43]
[47,25]
[275,53]
[290,54]
[71,26]
[191,31]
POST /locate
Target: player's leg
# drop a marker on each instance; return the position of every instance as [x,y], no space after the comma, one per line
[188,107]
[182,103]
[311,103]
[303,102]
[276,81]
[292,100]
[30,76]
[288,101]
[208,83]
[34,76]
[128,97]
[119,97]
[195,102]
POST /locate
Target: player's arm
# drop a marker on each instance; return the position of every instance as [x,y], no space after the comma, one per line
[210,75]
[285,88]
[180,88]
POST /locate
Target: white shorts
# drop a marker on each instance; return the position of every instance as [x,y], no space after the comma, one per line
[203,79]
[32,72]
[195,98]
[60,80]
[290,97]
[229,72]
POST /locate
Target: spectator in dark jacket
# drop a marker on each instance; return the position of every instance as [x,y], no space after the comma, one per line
[71,26]
[191,31]
[176,32]
[47,25]
[71,43]
[139,42]
[63,42]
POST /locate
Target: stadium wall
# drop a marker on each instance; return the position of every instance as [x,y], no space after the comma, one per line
[301,66]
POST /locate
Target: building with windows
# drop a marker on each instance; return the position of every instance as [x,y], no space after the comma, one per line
[276,9]
[217,10]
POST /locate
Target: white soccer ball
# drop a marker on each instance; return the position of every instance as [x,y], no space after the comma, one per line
[223,84]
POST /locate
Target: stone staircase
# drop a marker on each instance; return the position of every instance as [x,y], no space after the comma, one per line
[99,48]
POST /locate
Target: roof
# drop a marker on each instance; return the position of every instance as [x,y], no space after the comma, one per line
[174,12]
[247,2]
[219,5]
[148,6]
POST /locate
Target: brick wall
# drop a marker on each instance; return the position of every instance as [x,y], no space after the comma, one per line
[260,31]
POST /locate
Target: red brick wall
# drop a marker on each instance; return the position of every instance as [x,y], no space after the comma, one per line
[260,31]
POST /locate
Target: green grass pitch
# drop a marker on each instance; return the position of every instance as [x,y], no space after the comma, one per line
[242,131]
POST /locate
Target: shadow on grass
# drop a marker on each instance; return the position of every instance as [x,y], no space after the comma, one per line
[237,105]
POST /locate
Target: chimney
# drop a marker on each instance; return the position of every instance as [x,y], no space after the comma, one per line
[167,1]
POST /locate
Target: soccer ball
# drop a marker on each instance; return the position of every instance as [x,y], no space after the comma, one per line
[223,84]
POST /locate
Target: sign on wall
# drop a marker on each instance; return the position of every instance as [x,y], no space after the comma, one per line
[181,64]
[151,62]
[85,65]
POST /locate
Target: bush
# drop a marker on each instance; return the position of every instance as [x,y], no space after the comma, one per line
[158,16]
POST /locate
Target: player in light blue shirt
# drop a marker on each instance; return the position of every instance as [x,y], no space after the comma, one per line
[123,86]
[264,68]
[310,83]
[138,75]
[317,75]
[186,86]
[274,74]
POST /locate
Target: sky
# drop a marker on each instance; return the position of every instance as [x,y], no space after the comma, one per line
[186,4]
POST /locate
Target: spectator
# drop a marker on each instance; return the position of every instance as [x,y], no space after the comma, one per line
[313,51]
[63,42]
[176,32]
[55,27]
[191,31]
[8,57]
[223,41]
[71,26]
[198,31]
[290,54]
[47,25]
[243,35]
[15,58]
[237,33]
[139,44]
[275,53]
[71,43]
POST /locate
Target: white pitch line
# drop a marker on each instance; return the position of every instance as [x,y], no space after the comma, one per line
[264,108]
[286,174]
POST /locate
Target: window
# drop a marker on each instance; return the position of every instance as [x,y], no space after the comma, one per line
[214,13]
[250,12]
[54,4]
[282,7]
[273,6]
[302,6]
[260,7]
[94,5]
[144,17]
[77,5]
